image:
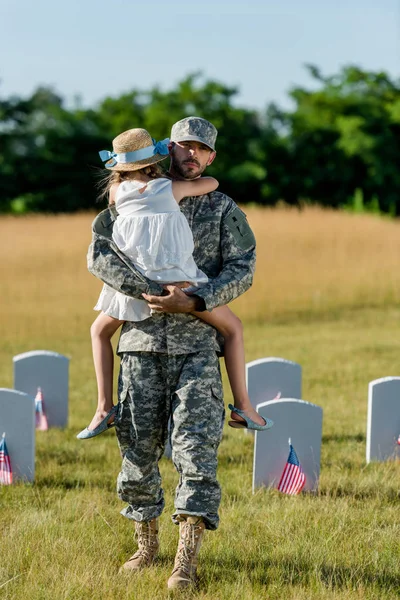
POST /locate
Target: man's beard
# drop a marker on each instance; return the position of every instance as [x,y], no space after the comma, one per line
[187,172]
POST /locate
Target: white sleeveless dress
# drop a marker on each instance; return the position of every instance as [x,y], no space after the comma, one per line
[153,233]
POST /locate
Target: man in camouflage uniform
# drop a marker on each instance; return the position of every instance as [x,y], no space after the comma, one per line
[169,363]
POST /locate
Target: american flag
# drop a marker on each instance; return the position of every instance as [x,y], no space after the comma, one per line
[40,413]
[5,464]
[293,478]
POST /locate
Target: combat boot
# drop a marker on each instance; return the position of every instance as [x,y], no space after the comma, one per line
[147,536]
[191,531]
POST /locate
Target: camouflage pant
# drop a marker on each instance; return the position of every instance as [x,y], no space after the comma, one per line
[153,387]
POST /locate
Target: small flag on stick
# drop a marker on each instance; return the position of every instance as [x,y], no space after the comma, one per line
[40,413]
[5,463]
[293,478]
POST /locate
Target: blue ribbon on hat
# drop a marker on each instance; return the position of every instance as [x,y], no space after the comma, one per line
[112,158]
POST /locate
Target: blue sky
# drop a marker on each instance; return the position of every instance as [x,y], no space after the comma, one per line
[95,48]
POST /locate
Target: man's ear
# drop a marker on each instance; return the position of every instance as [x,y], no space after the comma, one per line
[170,147]
[211,158]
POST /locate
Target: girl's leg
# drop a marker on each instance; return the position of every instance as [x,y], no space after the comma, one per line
[101,331]
[230,326]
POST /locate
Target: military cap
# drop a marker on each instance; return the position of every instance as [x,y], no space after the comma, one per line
[194,129]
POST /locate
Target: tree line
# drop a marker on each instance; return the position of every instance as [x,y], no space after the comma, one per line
[338,146]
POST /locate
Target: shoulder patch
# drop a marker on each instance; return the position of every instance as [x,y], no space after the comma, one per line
[104,222]
[236,222]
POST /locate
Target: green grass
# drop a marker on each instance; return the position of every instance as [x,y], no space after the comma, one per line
[63,537]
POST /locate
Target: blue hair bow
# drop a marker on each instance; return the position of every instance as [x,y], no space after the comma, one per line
[108,157]
[161,147]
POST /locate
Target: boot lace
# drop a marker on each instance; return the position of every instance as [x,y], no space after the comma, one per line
[187,547]
[147,541]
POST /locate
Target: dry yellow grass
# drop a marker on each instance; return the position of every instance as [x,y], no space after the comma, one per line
[46,285]
[310,260]
[63,536]
[318,260]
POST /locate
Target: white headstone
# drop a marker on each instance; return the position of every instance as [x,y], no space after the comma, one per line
[301,422]
[271,378]
[48,371]
[17,421]
[266,378]
[383,425]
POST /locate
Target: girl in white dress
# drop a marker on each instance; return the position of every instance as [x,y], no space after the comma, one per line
[154,234]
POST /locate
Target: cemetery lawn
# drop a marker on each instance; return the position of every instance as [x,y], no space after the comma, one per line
[326,295]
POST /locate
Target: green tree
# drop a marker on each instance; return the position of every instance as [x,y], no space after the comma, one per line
[342,137]
[339,138]
[45,155]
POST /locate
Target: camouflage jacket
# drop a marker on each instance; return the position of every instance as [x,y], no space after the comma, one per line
[224,248]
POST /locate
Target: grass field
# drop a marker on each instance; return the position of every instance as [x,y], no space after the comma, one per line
[326,295]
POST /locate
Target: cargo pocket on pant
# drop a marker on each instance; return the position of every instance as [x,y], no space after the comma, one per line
[218,396]
[192,414]
[124,423]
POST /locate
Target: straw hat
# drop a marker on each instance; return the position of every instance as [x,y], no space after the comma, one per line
[133,150]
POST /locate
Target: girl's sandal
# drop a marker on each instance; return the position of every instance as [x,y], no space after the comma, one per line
[247,423]
[86,433]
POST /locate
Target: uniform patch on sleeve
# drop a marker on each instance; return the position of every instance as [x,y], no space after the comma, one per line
[104,222]
[240,229]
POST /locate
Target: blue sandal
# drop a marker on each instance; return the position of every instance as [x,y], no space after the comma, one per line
[249,423]
[86,433]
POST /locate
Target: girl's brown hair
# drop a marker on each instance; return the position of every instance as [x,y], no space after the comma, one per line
[111,177]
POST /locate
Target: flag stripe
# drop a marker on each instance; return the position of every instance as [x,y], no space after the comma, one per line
[283,478]
[40,417]
[293,478]
[296,484]
[5,464]
[296,479]
[291,484]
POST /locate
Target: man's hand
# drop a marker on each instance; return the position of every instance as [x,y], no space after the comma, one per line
[175,301]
